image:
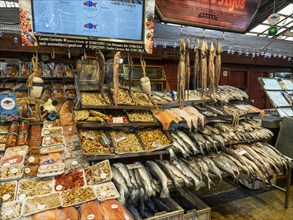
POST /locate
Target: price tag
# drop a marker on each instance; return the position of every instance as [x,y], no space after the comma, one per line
[22,196]
[27,170]
[6,197]
[14,170]
[59,187]
[114,206]
[48,138]
[6,165]
[133,166]
[22,152]
[31,159]
[74,163]
[157,144]
[117,120]
[12,161]
[240,151]
[70,129]
[88,135]
[41,207]
[103,175]
[118,139]
[90,216]
[9,212]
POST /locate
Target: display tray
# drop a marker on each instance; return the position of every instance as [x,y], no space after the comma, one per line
[125,92]
[149,115]
[91,94]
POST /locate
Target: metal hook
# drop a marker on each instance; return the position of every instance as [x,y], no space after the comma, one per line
[53,54]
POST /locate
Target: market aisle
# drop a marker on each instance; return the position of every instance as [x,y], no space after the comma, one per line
[266,206]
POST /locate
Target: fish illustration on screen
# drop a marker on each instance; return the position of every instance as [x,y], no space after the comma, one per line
[90,26]
[90,4]
[7,102]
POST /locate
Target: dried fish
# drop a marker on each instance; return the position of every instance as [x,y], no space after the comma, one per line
[218,65]
[196,63]
[181,75]
[204,68]
[116,76]
[211,75]
[187,67]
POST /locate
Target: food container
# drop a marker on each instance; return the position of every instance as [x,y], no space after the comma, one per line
[140,116]
[76,163]
[98,173]
[8,191]
[11,140]
[155,139]
[35,139]
[50,124]
[94,99]
[13,151]
[69,130]
[22,139]
[105,191]
[141,99]
[34,187]
[31,170]
[90,116]
[116,116]
[24,126]
[126,142]
[53,140]
[3,138]
[11,210]
[12,161]
[52,149]
[51,158]
[72,142]
[203,212]
[51,170]
[32,160]
[72,180]
[124,98]
[41,203]
[13,128]
[52,131]
[11,173]
[77,196]
[4,129]
[91,144]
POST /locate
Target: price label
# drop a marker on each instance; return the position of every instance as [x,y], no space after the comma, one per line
[157,144]
[90,216]
[117,120]
[31,159]
[103,175]
[114,206]
[48,138]
[70,129]
[41,207]
[6,165]
[27,170]
[74,163]
[22,152]
[14,170]
[118,139]
[59,187]
[6,197]
[12,161]
[22,196]
[9,212]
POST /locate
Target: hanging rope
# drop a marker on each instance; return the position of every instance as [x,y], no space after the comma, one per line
[29,82]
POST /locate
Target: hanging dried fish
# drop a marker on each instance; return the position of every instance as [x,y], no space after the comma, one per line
[196,63]
[116,76]
[218,65]
[187,67]
[211,75]
[181,75]
[130,69]
[204,68]
[102,70]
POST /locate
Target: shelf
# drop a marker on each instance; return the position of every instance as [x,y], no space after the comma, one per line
[118,107]
[174,104]
[116,125]
[3,78]
[120,156]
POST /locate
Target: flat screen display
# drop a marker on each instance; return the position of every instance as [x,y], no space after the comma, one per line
[122,19]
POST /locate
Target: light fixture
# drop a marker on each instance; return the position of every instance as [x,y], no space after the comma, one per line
[253,54]
[262,53]
[247,53]
[165,45]
[284,57]
[289,59]
[155,44]
[229,50]
[175,45]
[232,51]
[257,54]
[279,55]
[275,55]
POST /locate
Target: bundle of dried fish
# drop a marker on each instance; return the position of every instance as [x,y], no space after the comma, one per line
[211,75]
[91,116]
[141,99]
[196,63]
[227,93]
[116,76]
[187,67]
[218,65]
[204,66]
[181,75]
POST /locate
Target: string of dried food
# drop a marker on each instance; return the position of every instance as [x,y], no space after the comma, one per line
[116,76]
[181,74]
[204,69]
[211,75]
[218,65]
[102,68]
[196,63]
[187,67]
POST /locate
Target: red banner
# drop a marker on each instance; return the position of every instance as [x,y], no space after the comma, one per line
[234,15]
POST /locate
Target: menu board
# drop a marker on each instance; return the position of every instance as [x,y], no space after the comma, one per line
[106,19]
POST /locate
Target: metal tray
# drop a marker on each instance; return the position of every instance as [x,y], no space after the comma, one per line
[128,111]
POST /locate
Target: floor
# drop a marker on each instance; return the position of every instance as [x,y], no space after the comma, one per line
[267,205]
